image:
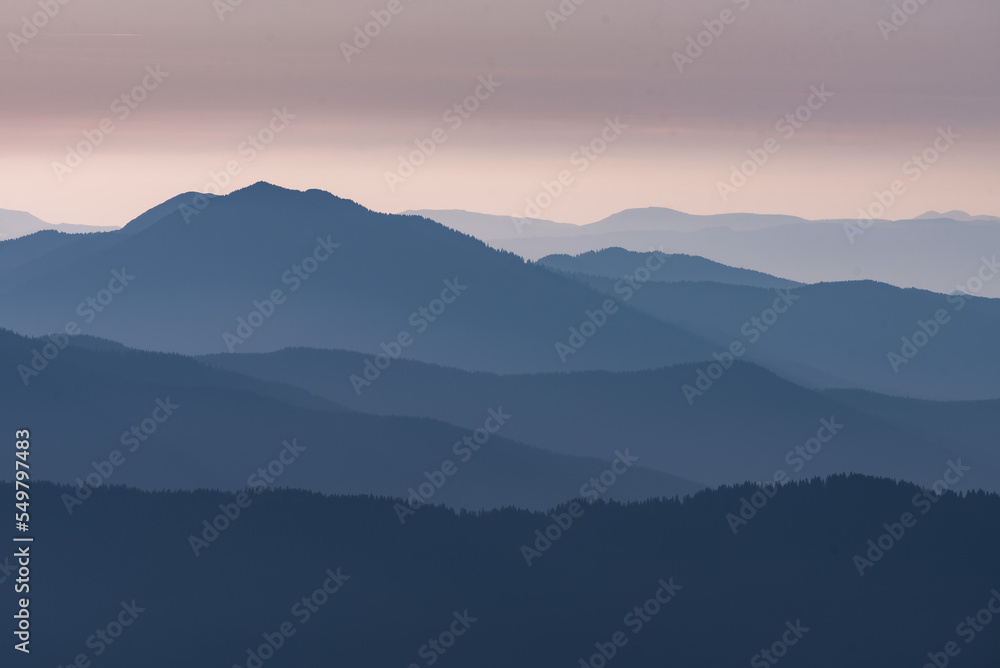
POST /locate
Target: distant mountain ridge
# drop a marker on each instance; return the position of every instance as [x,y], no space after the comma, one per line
[661,219]
[960,216]
[164,421]
[743,427]
[491,228]
[859,334]
[665,268]
[494,228]
[14,224]
[930,253]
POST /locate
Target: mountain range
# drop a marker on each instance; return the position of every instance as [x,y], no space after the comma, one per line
[345,277]
[852,334]
[367,439]
[179,424]
[266,268]
[932,252]
[386,338]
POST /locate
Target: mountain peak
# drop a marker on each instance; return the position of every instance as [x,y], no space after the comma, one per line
[955,214]
[257,194]
[264,187]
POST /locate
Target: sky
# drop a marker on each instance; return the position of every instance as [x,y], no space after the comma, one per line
[673,98]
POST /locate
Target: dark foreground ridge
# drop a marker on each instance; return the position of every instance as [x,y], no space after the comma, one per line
[290,578]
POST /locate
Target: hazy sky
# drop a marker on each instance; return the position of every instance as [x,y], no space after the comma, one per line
[688,122]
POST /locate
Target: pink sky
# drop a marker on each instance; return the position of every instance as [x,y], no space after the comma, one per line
[352,120]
